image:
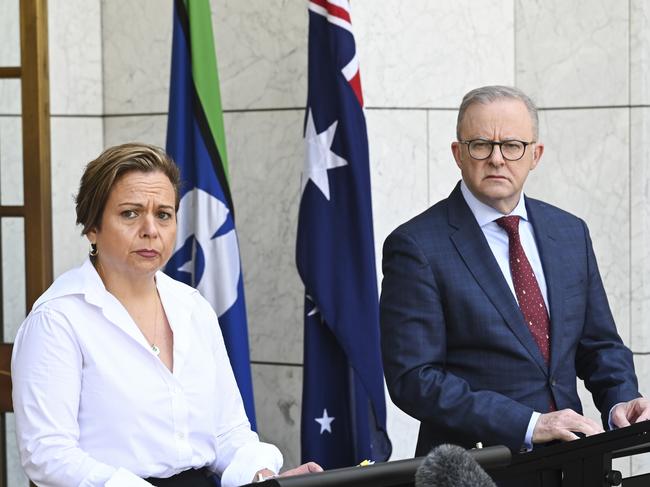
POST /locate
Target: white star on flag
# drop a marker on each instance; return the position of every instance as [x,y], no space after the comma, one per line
[320,157]
[325,422]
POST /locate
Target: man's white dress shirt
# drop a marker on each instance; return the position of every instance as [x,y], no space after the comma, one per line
[95,406]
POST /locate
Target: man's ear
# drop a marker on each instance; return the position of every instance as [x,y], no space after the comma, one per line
[537,155]
[456,151]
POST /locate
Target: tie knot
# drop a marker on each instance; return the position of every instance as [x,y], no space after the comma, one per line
[510,224]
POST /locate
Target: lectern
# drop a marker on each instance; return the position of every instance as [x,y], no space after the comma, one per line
[400,473]
[582,463]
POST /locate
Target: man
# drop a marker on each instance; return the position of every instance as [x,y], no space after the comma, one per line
[486,324]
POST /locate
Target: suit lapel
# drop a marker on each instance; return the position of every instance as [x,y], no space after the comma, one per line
[550,254]
[475,252]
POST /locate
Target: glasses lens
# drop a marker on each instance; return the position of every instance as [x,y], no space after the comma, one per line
[480,149]
[512,150]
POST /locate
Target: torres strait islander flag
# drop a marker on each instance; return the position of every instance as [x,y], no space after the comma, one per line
[207,250]
[343,404]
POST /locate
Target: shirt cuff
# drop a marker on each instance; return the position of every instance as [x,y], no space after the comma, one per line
[611,425]
[528,440]
[250,459]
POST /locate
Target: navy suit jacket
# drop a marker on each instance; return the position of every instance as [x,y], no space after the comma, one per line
[457,353]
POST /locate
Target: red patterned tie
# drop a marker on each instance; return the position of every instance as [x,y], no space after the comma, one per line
[527,290]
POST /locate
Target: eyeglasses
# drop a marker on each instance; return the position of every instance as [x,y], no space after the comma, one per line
[511,150]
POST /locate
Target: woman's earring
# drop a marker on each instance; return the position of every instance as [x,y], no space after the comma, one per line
[93,250]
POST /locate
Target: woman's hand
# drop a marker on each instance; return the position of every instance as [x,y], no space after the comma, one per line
[263,474]
[309,467]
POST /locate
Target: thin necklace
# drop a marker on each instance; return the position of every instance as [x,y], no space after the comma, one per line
[154,347]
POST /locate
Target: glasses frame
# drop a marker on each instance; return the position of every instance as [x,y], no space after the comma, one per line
[500,144]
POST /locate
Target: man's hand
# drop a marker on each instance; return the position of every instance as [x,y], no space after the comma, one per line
[630,412]
[561,425]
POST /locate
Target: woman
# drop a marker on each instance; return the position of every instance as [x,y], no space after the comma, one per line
[120,373]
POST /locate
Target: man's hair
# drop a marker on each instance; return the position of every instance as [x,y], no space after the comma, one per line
[100,176]
[489,94]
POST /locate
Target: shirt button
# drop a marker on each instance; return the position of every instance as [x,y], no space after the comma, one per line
[180,435]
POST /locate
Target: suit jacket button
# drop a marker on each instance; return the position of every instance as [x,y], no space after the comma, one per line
[553,382]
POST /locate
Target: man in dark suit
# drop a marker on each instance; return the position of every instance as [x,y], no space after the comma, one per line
[487,321]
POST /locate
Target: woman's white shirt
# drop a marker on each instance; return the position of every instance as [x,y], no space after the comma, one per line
[95,406]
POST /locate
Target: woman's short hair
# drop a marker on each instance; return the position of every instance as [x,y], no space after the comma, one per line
[100,176]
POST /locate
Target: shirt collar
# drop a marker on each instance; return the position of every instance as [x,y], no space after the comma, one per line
[85,281]
[176,297]
[485,214]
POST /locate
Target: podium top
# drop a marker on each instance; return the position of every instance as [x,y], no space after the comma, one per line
[399,473]
[496,461]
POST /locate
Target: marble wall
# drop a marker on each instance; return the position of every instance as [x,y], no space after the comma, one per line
[586,63]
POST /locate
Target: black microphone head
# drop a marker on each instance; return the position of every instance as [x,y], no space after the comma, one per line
[451,466]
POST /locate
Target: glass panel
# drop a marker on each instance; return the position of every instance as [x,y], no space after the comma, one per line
[15,474]
[640,464]
[10,103]
[13,276]
[11,160]
[9,33]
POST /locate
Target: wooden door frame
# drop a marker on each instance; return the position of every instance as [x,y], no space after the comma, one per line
[36,210]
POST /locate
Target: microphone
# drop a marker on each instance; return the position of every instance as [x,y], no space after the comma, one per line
[451,465]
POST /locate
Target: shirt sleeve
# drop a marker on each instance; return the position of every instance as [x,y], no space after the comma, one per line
[528,441]
[46,374]
[611,425]
[240,453]
[249,459]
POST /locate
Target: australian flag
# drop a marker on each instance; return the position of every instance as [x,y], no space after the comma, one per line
[343,405]
[207,250]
